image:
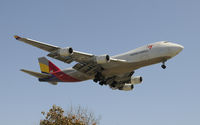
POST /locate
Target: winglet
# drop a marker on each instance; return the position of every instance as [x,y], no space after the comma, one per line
[16,37]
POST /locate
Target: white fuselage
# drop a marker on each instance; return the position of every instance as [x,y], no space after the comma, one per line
[137,58]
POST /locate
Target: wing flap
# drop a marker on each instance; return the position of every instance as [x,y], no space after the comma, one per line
[87,68]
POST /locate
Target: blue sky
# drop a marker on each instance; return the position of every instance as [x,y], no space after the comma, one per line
[167,97]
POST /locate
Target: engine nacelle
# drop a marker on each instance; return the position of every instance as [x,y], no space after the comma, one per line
[102,59]
[127,87]
[136,79]
[66,51]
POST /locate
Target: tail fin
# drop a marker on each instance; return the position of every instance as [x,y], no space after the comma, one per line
[47,66]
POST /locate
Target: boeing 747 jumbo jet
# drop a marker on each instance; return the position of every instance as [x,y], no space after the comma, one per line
[115,71]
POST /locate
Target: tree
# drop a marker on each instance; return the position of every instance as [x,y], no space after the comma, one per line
[78,116]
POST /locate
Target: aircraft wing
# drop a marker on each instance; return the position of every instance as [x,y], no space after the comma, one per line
[77,56]
[41,45]
[86,62]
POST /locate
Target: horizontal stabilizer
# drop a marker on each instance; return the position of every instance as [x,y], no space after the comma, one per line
[53,83]
[36,74]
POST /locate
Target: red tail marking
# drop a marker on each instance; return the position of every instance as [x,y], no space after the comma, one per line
[59,74]
[64,77]
[150,46]
[53,67]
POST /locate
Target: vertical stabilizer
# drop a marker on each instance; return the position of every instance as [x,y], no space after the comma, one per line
[47,66]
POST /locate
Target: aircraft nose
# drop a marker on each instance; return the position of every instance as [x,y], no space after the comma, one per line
[175,49]
[178,48]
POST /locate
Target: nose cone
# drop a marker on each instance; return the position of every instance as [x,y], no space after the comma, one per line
[174,49]
[178,48]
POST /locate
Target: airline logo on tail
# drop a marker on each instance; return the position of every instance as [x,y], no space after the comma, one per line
[47,66]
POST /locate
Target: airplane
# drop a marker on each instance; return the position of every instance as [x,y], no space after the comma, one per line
[115,71]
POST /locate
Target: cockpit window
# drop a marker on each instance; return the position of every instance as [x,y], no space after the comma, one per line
[166,42]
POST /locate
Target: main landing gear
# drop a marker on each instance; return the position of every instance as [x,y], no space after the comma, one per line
[99,78]
[163,65]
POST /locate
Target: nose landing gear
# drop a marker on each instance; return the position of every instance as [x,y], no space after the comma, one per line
[163,65]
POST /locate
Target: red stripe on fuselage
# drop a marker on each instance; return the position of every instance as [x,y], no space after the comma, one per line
[64,77]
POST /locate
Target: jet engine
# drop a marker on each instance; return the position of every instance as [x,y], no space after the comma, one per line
[102,59]
[136,79]
[66,51]
[127,87]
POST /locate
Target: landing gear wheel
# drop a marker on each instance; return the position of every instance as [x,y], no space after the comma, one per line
[113,84]
[95,80]
[163,66]
[98,77]
[101,83]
